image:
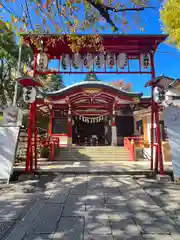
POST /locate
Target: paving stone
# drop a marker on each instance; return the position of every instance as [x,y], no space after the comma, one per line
[119,213]
[152,226]
[156,237]
[111,190]
[97,226]
[68,178]
[111,204]
[74,206]
[98,212]
[47,219]
[20,228]
[70,228]
[110,183]
[38,237]
[125,229]
[98,192]
[10,210]
[70,211]
[5,226]
[75,200]
[79,189]
[58,198]
[98,237]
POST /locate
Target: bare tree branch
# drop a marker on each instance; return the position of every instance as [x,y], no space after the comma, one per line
[103,10]
[60,13]
[27,10]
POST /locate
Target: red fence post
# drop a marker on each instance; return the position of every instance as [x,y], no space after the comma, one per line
[158,140]
[132,150]
[35,137]
[29,142]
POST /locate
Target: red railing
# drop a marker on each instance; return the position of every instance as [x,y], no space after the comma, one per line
[138,141]
[129,145]
[52,143]
[131,142]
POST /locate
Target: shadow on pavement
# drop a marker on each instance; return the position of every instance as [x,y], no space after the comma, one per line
[74,207]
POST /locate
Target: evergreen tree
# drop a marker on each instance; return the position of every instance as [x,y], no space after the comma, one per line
[9,52]
[53,82]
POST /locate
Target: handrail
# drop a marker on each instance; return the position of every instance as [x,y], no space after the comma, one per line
[130,146]
[52,143]
[138,141]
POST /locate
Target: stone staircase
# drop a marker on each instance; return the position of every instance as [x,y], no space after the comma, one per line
[93,153]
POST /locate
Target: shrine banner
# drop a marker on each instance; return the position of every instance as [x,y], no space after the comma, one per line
[172,122]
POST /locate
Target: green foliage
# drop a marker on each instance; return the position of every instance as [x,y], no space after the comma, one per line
[9,52]
[170,16]
[42,120]
[52,82]
[44,153]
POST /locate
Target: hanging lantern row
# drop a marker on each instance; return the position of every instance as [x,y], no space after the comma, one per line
[145,60]
[91,119]
[99,61]
[89,60]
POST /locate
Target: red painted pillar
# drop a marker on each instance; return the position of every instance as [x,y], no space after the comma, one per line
[158,140]
[29,142]
[35,137]
[152,114]
[69,127]
[51,147]
[155,113]
[50,122]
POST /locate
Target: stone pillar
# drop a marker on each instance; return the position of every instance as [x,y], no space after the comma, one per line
[105,132]
[113,129]
[69,127]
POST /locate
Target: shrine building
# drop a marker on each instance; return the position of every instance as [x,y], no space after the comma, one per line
[92,112]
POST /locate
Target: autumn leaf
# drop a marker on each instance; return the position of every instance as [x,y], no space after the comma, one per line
[37,12]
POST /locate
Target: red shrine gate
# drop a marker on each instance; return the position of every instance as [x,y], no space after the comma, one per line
[120,51]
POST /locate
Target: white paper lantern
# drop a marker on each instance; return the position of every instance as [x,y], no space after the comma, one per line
[65,61]
[88,60]
[76,60]
[29,94]
[145,60]
[42,61]
[111,60]
[99,60]
[122,60]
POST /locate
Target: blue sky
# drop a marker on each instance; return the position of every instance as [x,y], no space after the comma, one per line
[167,58]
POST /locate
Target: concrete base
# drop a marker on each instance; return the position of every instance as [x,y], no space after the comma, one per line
[163,178]
[25,177]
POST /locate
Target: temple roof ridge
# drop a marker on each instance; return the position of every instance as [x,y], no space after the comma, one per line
[90,84]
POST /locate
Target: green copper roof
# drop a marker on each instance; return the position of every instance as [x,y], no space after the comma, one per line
[91,84]
[91,77]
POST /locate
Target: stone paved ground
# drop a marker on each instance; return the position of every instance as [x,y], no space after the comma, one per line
[90,207]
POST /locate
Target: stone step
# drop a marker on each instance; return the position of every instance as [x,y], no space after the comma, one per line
[93,160]
[93,153]
[86,156]
[93,150]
